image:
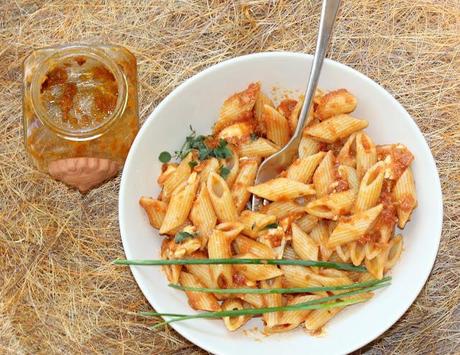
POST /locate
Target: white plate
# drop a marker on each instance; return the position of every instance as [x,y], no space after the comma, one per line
[197,102]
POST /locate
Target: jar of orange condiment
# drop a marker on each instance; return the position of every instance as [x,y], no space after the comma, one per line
[80,111]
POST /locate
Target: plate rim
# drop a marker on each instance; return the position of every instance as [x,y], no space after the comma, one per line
[151,117]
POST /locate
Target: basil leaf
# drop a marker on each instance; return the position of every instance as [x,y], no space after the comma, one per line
[224,171]
[164,157]
[181,236]
[271,226]
[192,163]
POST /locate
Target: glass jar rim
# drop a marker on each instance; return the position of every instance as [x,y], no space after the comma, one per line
[73,51]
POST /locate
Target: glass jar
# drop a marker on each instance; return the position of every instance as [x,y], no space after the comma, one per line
[80,111]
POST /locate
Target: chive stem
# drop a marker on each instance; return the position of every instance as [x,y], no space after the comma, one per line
[279,290]
[321,303]
[325,264]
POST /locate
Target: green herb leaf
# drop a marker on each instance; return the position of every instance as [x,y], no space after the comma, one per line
[181,236]
[254,137]
[224,171]
[222,151]
[271,226]
[164,157]
[192,163]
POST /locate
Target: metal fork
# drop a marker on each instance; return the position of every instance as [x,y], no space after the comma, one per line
[279,161]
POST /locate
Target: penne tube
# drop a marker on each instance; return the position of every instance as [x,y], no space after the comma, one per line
[245,245]
[254,299]
[256,272]
[198,300]
[293,117]
[281,189]
[277,126]
[333,205]
[221,198]
[366,153]
[370,188]
[357,253]
[302,169]
[343,251]
[261,100]
[349,175]
[308,146]
[180,175]
[347,154]
[219,246]
[298,276]
[254,222]
[259,148]
[272,319]
[319,317]
[336,128]
[335,103]
[307,222]
[304,246]
[324,175]
[237,107]
[180,205]
[233,166]
[236,131]
[320,234]
[292,319]
[202,213]
[166,171]
[208,166]
[286,106]
[155,209]
[283,209]
[244,179]
[354,227]
[404,194]
[233,323]
[395,247]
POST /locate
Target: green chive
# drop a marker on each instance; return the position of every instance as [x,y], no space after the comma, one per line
[279,290]
[325,264]
[320,303]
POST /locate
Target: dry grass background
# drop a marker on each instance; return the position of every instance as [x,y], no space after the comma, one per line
[58,291]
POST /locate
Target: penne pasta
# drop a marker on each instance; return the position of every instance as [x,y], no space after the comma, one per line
[180,205]
[324,176]
[259,109]
[259,148]
[319,317]
[307,222]
[308,146]
[293,116]
[304,246]
[333,205]
[302,169]
[366,153]
[347,154]
[232,165]
[219,246]
[208,166]
[335,103]
[237,107]
[282,209]
[202,213]
[254,222]
[348,174]
[198,300]
[180,175]
[221,198]
[335,128]
[245,245]
[244,179]
[155,209]
[354,228]
[404,193]
[282,189]
[233,323]
[256,272]
[272,300]
[370,188]
[277,126]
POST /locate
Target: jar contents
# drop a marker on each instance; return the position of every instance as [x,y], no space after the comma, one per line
[80,111]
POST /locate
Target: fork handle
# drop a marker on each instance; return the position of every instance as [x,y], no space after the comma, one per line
[326,24]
